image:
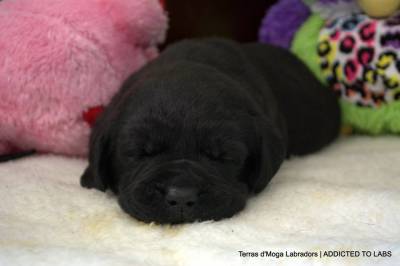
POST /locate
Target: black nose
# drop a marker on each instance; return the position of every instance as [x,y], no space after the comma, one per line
[183,197]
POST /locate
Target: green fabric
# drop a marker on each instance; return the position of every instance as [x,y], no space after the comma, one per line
[305,44]
[309,2]
[382,120]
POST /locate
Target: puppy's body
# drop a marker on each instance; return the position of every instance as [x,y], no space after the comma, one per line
[193,133]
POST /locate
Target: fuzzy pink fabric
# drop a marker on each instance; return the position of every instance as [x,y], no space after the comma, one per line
[60,58]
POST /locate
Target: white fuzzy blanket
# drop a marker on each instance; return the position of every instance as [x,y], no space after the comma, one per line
[345,198]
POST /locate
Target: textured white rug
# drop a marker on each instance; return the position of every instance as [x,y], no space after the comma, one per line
[345,198]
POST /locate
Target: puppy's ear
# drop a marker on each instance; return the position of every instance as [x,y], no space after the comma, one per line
[97,174]
[269,153]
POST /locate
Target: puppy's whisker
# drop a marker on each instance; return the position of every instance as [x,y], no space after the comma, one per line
[136,208]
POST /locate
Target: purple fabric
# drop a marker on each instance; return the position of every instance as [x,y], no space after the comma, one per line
[282,21]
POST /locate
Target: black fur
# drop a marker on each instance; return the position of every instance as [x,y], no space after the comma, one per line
[210,115]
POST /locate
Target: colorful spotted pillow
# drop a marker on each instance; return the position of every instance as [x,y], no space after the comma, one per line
[360,59]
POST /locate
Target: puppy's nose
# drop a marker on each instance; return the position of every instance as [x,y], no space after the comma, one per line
[183,197]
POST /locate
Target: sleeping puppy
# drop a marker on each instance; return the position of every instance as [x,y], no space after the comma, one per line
[205,125]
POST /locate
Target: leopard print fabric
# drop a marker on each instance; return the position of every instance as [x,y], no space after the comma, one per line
[360,58]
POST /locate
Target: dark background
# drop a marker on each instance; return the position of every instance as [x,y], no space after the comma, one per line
[234,19]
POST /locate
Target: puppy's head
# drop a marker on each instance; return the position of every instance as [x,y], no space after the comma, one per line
[199,171]
[183,158]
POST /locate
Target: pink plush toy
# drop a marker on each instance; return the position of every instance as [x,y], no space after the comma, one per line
[62,61]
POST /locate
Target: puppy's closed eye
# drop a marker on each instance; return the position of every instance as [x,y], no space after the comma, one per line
[228,152]
[151,149]
[217,155]
[145,150]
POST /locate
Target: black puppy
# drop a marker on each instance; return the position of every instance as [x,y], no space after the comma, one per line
[195,132]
